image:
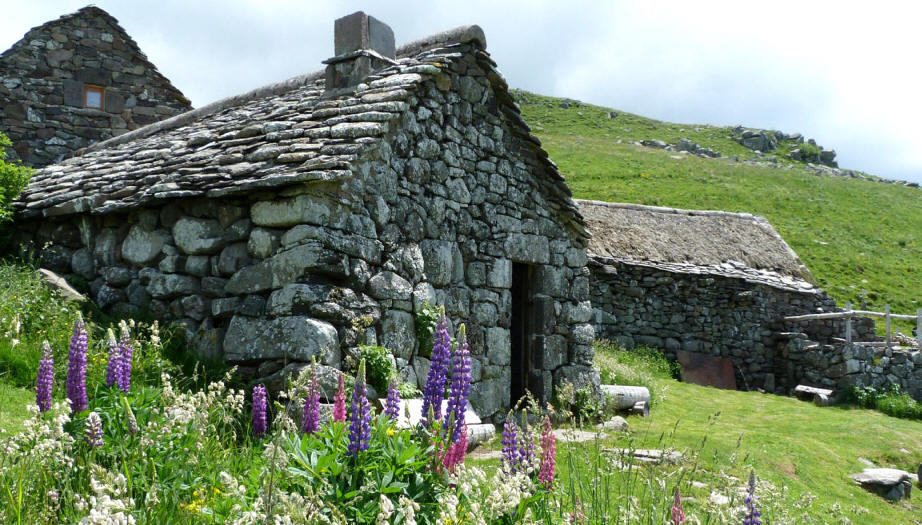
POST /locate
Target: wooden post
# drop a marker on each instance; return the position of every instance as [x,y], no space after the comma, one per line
[919,327]
[848,324]
[887,315]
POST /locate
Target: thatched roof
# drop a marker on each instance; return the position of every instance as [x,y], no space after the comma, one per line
[688,237]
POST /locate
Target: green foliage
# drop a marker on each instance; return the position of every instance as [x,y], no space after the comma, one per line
[639,366]
[379,365]
[395,464]
[14,177]
[808,150]
[426,320]
[584,404]
[892,401]
[408,391]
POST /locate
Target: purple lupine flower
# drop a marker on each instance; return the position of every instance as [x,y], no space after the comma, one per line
[123,379]
[360,415]
[92,431]
[460,386]
[310,419]
[438,369]
[510,457]
[76,367]
[339,401]
[260,406]
[392,403]
[753,509]
[45,379]
[526,446]
[115,360]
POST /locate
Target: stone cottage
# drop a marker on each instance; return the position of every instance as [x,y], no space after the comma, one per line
[707,282]
[307,217]
[75,81]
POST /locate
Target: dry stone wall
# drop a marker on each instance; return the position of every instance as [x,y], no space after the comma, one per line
[42,87]
[732,317]
[437,212]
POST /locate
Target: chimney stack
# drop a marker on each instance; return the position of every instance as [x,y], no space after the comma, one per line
[363,44]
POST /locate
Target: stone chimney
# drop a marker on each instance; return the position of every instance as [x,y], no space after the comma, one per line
[363,44]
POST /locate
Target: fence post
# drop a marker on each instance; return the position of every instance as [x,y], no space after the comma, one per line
[919,326]
[848,324]
[887,314]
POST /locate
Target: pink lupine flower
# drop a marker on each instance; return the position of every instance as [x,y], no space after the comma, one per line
[339,401]
[678,510]
[548,454]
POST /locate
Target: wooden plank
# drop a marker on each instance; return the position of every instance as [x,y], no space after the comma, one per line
[848,325]
[887,310]
[846,315]
[811,390]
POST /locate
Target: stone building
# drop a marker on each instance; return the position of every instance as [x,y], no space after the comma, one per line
[75,81]
[307,217]
[707,282]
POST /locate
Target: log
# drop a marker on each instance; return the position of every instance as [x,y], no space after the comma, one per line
[625,397]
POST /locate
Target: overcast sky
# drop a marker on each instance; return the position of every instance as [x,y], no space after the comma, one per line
[847,74]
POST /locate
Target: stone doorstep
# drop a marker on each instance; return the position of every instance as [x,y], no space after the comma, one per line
[647,456]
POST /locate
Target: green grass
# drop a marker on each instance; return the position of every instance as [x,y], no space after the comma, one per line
[861,239]
[13,402]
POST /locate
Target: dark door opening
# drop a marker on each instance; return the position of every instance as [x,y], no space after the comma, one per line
[521,330]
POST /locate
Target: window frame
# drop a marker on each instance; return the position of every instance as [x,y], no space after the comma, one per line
[87,89]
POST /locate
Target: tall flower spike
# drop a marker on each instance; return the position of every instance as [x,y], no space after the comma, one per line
[124,369]
[457,450]
[339,401]
[548,454]
[678,510]
[92,431]
[115,359]
[76,367]
[510,455]
[360,415]
[753,509]
[260,407]
[310,419]
[526,446]
[438,369]
[45,379]
[460,386]
[392,403]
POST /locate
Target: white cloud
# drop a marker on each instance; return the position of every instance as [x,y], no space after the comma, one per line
[844,73]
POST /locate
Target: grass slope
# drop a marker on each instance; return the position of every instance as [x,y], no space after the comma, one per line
[861,239]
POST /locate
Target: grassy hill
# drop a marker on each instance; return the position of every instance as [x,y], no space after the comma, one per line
[861,239]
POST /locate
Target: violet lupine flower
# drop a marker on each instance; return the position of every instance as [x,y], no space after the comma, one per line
[310,419]
[460,386]
[678,510]
[339,401]
[260,407]
[360,415]
[526,446]
[76,367]
[438,369]
[92,431]
[548,454]
[753,509]
[510,460]
[45,379]
[456,451]
[115,360]
[392,403]
[123,378]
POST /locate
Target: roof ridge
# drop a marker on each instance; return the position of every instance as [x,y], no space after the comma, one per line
[459,35]
[674,211]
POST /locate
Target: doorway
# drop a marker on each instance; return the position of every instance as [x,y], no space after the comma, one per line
[521,329]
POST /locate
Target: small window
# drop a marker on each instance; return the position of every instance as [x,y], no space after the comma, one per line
[92,97]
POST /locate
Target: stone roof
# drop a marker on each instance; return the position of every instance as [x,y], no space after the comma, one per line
[91,11]
[693,241]
[278,135]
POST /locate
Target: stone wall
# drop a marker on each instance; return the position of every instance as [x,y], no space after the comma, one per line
[43,77]
[732,317]
[437,212]
[840,366]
